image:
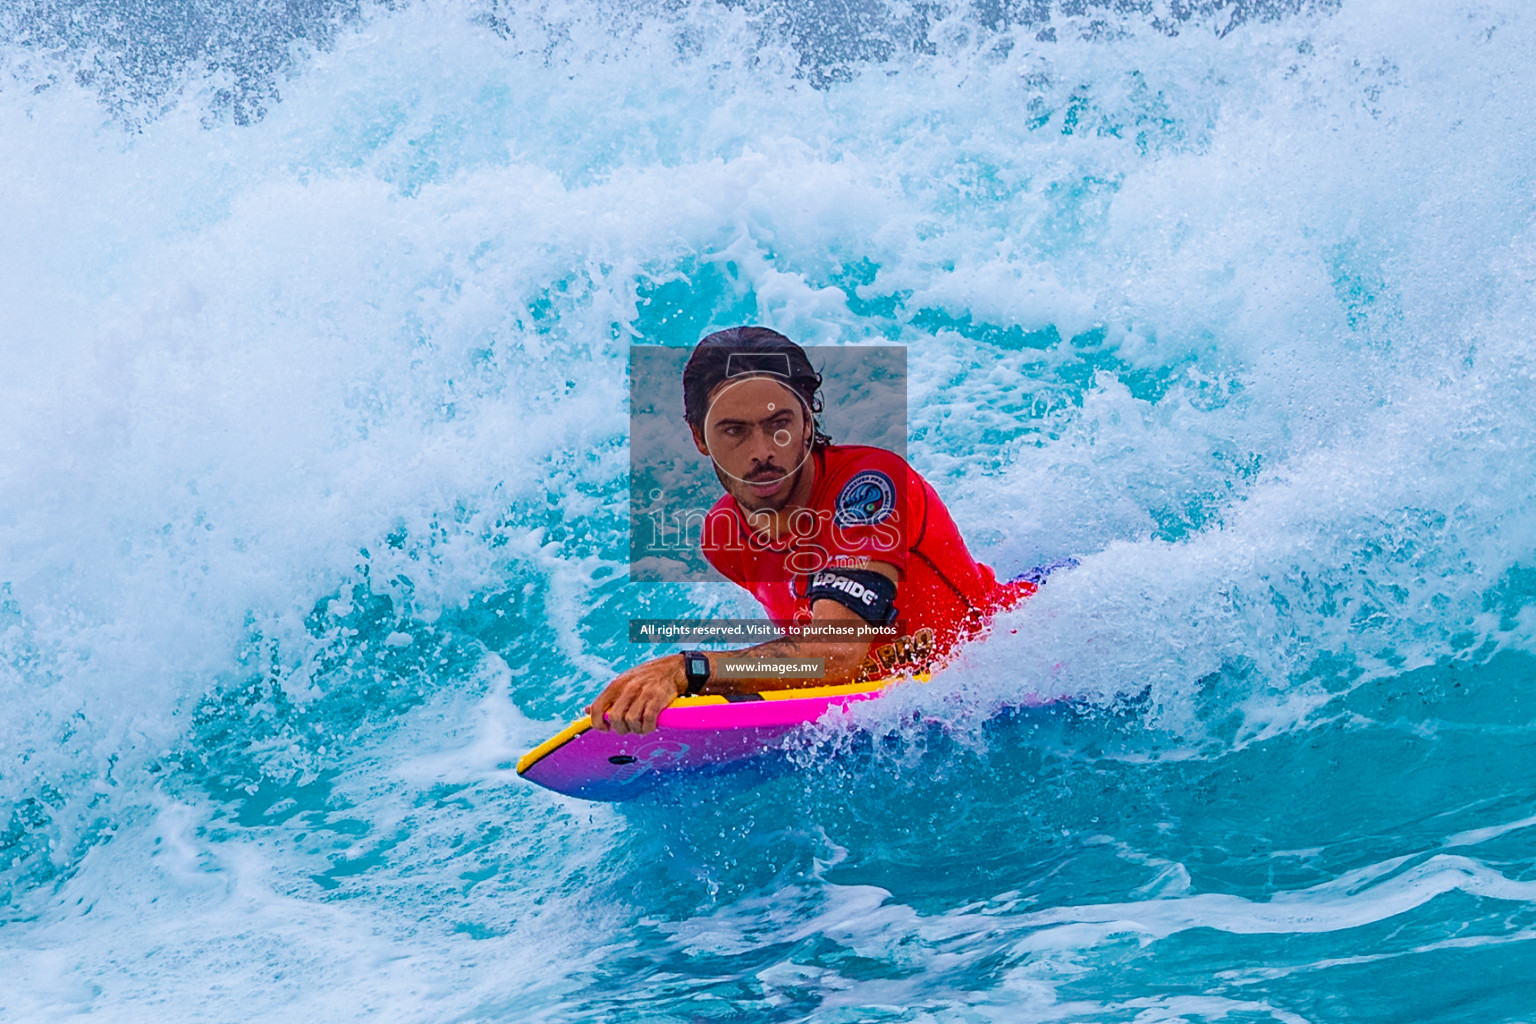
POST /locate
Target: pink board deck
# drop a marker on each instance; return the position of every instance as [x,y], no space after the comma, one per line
[693,736]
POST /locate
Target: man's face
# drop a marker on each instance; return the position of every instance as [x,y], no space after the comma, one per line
[758,432]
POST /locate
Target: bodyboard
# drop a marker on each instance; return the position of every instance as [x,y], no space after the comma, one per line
[694,736]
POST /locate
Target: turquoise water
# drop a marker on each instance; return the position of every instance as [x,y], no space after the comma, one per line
[313,484]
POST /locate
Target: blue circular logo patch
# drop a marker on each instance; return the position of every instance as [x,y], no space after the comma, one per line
[867,498]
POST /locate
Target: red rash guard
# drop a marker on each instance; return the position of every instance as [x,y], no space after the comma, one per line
[867,505]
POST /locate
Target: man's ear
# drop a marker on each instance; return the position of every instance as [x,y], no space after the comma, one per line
[698,440]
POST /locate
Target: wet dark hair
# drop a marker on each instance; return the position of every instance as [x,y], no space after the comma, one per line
[748,351]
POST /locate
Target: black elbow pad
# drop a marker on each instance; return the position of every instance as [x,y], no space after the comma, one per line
[867,593]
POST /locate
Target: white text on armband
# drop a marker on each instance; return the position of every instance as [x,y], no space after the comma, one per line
[853,588]
[863,591]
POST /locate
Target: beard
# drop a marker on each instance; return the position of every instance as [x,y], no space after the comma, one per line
[741,490]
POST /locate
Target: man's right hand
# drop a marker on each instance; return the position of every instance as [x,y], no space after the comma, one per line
[632,701]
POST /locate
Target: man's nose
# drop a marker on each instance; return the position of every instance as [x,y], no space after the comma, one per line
[764,450]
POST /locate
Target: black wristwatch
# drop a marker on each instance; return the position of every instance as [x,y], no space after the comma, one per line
[696,669]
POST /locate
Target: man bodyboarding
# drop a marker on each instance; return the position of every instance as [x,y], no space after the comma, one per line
[819,533]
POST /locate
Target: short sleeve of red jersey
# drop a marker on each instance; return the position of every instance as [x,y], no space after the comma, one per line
[874,502]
